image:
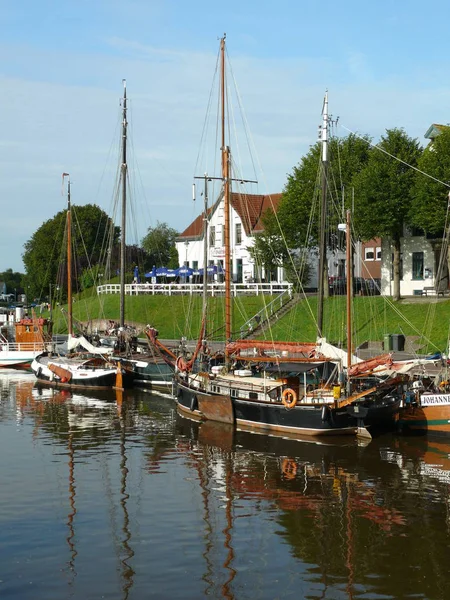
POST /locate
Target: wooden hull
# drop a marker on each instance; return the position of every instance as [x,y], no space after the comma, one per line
[56,375]
[18,359]
[434,420]
[265,416]
[377,415]
[151,373]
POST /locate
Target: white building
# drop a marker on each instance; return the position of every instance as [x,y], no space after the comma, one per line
[419,262]
[246,222]
[246,213]
[419,255]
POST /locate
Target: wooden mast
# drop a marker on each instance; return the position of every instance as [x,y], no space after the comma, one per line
[349,289]
[205,257]
[124,205]
[226,201]
[323,216]
[69,259]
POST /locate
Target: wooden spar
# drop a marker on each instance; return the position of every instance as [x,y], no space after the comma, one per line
[323,215]
[349,291]
[228,266]
[297,347]
[205,257]
[124,206]
[282,359]
[368,365]
[60,372]
[226,201]
[69,259]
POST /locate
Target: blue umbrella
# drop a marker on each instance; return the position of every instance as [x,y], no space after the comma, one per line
[151,273]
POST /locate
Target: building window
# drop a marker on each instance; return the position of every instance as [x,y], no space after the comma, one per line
[400,266]
[417,232]
[239,271]
[369,254]
[417,265]
[223,235]
[238,233]
[212,236]
[378,254]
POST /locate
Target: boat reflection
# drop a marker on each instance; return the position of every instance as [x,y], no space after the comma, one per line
[420,457]
[82,422]
[326,497]
[330,517]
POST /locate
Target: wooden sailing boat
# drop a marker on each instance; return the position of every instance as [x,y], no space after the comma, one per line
[147,365]
[23,340]
[90,368]
[291,387]
[272,401]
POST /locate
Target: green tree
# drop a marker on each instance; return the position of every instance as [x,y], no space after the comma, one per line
[429,204]
[14,281]
[45,252]
[270,251]
[384,191]
[299,210]
[429,207]
[159,244]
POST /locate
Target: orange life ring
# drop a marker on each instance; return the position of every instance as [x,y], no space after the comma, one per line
[289,468]
[289,397]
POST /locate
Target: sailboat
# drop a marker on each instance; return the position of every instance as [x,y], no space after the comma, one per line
[89,368]
[22,339]
[147,364]
[269,400]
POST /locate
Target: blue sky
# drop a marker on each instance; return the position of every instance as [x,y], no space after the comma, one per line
[385,64]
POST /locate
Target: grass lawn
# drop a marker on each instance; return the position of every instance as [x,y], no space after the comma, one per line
[373,317]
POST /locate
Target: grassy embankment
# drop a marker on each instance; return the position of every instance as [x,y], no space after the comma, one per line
[373,317]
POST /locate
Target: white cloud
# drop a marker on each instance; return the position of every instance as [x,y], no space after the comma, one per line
[62,114]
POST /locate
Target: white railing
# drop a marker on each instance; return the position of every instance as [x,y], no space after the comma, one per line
[214,289]
[22,346]
[266,313]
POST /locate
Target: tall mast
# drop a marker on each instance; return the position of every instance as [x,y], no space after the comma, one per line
[349,289]
[323,217]
[69,259]
[124,204]
[205,256]
[226,200]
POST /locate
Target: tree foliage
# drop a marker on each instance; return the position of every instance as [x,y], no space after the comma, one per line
[299,212]
[430,197]
[384,192]
[383,189]
[159,244]
[14,281]
[270,251]
[45,252]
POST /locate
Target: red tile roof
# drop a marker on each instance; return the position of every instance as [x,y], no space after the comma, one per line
[250,208]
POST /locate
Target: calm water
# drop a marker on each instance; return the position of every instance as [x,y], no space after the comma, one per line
[128,500]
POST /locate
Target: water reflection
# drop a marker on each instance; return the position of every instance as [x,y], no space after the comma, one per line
[244,515]
[85,421]
[341,507]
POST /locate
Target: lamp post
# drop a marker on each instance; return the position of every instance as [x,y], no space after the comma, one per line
[186,264]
